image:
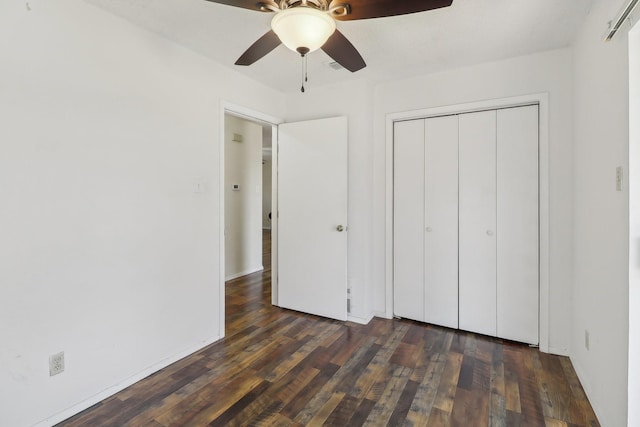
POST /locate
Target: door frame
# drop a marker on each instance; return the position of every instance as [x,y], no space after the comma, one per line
[542,100]
[262,118]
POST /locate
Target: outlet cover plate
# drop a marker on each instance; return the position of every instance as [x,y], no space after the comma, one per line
[56,364]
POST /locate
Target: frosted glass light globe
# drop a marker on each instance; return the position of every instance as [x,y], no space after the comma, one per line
[303,27]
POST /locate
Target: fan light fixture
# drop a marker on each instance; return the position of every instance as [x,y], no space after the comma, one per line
[303,29]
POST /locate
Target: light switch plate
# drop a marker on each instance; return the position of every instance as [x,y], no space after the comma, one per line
[199,188]
[619,178]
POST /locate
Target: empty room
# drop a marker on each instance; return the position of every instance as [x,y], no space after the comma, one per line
[314,212]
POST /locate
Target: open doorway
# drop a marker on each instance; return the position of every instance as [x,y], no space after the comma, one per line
[315,157]
[241,199]
[267,192]
[247,200]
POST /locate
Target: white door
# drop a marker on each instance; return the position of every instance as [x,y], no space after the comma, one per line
[517,238]
[441,221]
[408,219]
[312,221]
[425,219]
[477,222]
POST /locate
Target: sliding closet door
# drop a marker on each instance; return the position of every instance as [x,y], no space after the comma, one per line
[441,221]
[408,219]
[517,238]
[477,222]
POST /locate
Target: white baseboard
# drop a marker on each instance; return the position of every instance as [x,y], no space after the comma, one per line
[360,320]
[382,315]
[111,390]
[243,273]
[559,351]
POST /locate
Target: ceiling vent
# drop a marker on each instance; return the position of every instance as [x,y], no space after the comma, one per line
[335,65]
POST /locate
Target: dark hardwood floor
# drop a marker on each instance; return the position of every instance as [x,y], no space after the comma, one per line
[278,367]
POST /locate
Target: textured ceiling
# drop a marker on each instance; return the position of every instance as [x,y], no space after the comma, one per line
[468,32]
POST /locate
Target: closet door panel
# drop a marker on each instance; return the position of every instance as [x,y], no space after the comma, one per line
[408,219]
[477,222]
[441,221]
[517,238]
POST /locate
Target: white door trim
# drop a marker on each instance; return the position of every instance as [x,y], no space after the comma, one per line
[542,99]
[255,116]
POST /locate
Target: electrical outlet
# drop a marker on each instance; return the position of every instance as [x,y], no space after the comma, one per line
[56,364]
[586,339]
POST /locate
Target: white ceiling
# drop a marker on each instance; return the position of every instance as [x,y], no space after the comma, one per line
[468,32]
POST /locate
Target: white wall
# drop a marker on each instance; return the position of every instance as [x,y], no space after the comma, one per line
[544,72]
[600,294]
[243,207]
[634,226]
[108,253]
[352,99]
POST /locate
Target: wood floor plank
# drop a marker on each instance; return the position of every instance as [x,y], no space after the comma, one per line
[282,368]
[226,417]
[448,383]
[301,400]
[387,402]
[327,391]
[401,409]
[366,380]
[210,403]
[498,401]
[470,409]
[405,355]
[550,422]
[578,394]
[529,394]
[348,382]
[361,413]
[321,415]
[438,418]
[415,334]
[422,404]
[465,376]
[342,414]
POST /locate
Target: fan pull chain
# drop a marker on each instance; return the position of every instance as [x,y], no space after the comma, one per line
[302,65]
[303,53]
[304,72]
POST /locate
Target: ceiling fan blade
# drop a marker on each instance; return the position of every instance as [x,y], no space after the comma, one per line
[245,4]
[366,9]
[343,52]
[260,48]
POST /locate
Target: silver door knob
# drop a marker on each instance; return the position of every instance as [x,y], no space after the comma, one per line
[340,228]
[489,233]
[429,229]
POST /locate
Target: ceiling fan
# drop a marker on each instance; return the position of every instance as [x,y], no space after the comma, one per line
[307,25]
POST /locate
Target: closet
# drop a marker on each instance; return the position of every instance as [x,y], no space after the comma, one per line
[466,221]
